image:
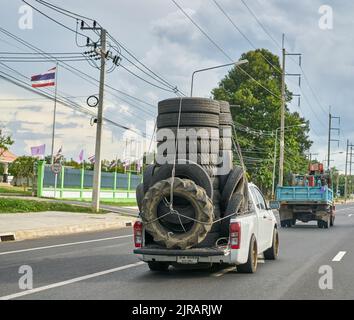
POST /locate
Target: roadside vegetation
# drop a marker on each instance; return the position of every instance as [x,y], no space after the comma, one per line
[23,206]
[14,191]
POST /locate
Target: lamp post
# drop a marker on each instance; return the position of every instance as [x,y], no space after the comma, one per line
[275,153]
[236,64]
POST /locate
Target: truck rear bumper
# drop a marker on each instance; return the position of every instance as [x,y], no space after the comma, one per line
[167,255]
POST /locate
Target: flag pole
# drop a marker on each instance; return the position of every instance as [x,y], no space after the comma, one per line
[55,111]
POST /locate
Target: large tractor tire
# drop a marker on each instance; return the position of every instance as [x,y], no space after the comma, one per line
[192,172]
[224,107]
[203,213]
[139,194]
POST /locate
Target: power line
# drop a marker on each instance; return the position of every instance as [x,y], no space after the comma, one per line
[222,50]
[75,16]
[261,25]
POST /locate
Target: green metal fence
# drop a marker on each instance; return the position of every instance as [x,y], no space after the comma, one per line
[72,183]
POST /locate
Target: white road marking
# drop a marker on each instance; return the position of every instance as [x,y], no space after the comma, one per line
[64,245]
[67,282]
[339,256]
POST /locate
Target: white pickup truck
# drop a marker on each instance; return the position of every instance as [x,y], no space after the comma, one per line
[249,236]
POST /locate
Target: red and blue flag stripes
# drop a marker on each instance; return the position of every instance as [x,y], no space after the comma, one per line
[44,80]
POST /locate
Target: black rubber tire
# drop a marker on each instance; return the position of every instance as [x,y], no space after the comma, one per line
[225,144]
[139,194]
[216,182]
[224,107]
[225,119]
[251,265]
[189,159]
[323,224]
[233,207]
[147,176]
[189,105]
[286,223]
[205,146]
[231,185]
[225,131]
[273,251]
[332,221]
[204,133]
[158,266]
[188,120]
[192,172]
[209,241]
[190,191]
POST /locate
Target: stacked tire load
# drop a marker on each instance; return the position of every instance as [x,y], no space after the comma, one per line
[200,196]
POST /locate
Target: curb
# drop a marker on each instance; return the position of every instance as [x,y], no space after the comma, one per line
[65,230]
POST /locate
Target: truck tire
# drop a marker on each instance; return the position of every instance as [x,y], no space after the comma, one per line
[225,144]
[188,120]
[203,208]
[147,176]
[189,105]
[324,224]
[193,172]
[139,194]
[225,119]
[200,145]
[286,223]
[231,184]
[204,133]
[273,251]
[332,221]
[158,266]
[251,265]
[224,107]
[233,207]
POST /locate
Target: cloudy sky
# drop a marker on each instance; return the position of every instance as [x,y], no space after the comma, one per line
[158,33]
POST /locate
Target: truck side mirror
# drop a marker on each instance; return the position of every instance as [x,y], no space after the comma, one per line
[274,205]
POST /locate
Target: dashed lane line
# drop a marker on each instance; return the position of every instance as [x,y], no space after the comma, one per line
[339,256]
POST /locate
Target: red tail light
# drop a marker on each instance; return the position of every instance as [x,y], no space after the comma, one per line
[235,235]
[138,234]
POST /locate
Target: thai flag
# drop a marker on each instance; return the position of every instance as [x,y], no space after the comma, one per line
[44,80]
[92,159]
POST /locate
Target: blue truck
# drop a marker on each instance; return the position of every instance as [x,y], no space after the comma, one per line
[310,200]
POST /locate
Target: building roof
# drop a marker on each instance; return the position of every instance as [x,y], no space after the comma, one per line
[6,156]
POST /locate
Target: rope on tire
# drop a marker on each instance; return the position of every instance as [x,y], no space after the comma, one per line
[195,220]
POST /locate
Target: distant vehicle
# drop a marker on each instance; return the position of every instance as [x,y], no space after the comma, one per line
[309,198]
[249,235]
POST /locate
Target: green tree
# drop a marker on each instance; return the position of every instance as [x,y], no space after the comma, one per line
[5,142]
[257,117]
[22,168]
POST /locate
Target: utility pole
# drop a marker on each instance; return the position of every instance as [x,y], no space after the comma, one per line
[282,112]
[350,170]
[55,112]
[330,129]
[282,119]
[97,169]
[346,173]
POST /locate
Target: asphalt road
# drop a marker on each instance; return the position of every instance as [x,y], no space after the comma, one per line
[102,266]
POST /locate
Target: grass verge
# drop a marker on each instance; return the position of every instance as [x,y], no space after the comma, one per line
[14,190]
[23,206]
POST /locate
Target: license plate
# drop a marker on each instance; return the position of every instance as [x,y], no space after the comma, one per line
[187,260]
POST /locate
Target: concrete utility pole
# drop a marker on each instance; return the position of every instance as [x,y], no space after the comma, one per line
[346,173]
[282,120]
[282,113]
[97,169]
[330,129]
[55,111]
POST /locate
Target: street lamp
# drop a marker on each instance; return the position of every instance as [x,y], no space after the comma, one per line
[302,125]
[236,64]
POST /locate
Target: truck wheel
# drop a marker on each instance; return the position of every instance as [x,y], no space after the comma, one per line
[158,266]
[251,265]
[286,223]
[332,221]
[273,251]
[323,224]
